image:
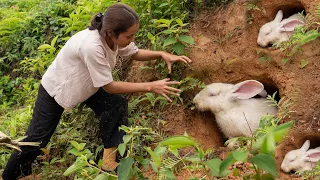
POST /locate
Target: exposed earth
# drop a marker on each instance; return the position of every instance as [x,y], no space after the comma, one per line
[226,51]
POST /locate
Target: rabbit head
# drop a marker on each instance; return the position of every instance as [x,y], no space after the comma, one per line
[279,29]
[301,159]
[218,97]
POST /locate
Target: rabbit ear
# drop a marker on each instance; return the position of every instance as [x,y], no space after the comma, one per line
[246,89]
[313,155]
[279,16]
[305,146]
[289,26]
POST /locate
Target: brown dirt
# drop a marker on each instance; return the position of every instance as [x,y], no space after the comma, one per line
[226,51]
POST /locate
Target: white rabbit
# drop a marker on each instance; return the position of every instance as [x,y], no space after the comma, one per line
[279,29]
[301,159]
[234,107]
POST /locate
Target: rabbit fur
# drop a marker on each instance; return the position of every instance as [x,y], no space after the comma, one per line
[233,106]
[303,159]
[279,29]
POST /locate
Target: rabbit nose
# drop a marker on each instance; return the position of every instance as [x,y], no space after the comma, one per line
[292,172]
[262,44]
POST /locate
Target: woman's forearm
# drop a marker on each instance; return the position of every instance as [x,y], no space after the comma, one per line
[146,55]
[120,87]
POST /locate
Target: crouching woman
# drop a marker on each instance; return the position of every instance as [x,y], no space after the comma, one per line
[82,73]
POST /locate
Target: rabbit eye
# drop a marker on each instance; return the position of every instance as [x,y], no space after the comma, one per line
[213,94]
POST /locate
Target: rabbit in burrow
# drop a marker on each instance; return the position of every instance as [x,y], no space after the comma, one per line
[303,159]
[234,107]
[279,29]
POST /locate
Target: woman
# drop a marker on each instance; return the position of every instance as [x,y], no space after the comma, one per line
[82,72]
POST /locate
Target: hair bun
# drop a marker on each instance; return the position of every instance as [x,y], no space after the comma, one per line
[99,17]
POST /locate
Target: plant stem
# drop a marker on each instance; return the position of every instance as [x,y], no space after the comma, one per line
[102,171]
[257,171]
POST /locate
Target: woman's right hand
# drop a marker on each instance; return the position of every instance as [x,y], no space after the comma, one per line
[162,87]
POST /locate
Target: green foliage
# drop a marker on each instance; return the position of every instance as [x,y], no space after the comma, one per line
[284,105]
[29,23]
[313,174]
[172,34]
[16,91]
[81,16]
[84,166]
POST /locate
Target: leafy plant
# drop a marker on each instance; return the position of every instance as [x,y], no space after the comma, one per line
[84,166]
[173,36]
[284,105]
[40,64]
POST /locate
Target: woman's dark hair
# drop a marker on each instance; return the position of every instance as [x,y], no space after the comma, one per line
[117,19]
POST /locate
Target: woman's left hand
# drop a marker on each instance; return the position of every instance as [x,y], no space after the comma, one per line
[171,58]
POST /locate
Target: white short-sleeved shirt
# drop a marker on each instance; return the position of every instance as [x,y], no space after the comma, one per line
[82,66]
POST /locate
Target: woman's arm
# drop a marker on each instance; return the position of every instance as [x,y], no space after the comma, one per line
[146,55]
[160,87]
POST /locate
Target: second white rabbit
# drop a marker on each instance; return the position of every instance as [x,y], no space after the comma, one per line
[279,29]
[234,107]
[303,159]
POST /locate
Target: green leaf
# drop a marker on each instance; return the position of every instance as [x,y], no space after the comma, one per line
[127,138]
[54,40]
[168,31]
[163,4]
[165,22]
[78,165]
[168,173]
[193,158]
[309,38]
[265,162]
[281,130]
[92,161]
[154,156]
[178,48]
[122,148]
[186,39]
[169,41]
[75,144]
[53,160]
[154,166]
[268,145]
[44,47]
[124,168]
[162,25]
[267,177]
[160,150]
[303,63]
[75,152]
[225,165]
[179,22]
[214,165]
[240,155]
[181,141]
[151,37]
[102,176]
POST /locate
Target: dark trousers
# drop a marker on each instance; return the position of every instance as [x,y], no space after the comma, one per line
[112,110]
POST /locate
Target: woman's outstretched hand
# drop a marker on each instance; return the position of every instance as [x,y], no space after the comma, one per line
[171,58]
[162,87]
